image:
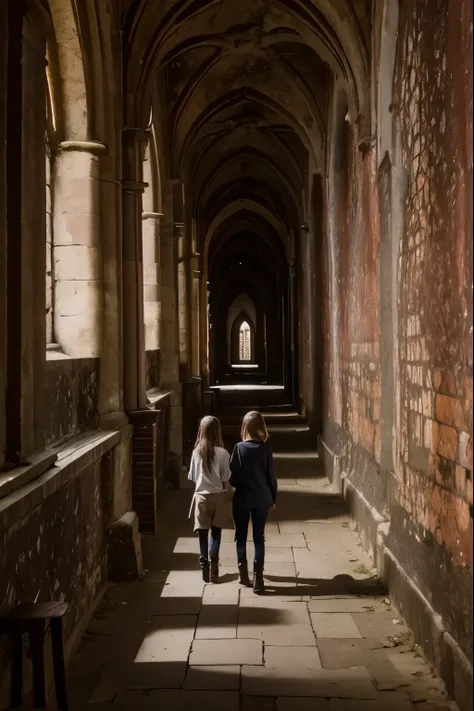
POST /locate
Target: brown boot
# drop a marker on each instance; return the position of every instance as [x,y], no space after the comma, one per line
[258,582]
[214,570]
[244,573]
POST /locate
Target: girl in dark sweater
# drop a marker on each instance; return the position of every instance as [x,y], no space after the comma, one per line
[255,484]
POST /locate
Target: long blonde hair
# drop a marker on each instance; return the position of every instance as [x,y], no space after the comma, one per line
[254,426]
[209,437]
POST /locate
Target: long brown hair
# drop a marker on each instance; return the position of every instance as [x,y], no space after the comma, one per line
[254,426]
[209,436]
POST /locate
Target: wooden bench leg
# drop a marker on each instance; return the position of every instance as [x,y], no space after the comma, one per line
[16,690]
[58,663]
[37,657]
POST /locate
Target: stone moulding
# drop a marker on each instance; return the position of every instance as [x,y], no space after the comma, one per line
[152,215]
[94,147]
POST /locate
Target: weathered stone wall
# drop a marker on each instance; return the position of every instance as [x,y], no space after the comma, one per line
[56,552]
[153,369]
[71,397]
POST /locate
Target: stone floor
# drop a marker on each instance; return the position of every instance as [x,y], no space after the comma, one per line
[324,637]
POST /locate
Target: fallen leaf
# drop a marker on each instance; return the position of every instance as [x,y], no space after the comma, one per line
[397,622]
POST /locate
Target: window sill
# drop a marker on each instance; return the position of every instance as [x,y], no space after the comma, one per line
[26,487]
[56,355]
[155,395]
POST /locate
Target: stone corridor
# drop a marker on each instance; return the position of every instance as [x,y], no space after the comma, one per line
[324,637]
[209,207]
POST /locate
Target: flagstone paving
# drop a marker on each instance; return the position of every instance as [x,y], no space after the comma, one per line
[324,637]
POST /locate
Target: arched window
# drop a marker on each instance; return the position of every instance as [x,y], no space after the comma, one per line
[245,345]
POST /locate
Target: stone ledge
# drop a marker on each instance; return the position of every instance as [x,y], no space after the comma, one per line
[155,395]
[70,460]
[18,477]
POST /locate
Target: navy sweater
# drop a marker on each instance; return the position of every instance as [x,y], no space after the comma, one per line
[253,475]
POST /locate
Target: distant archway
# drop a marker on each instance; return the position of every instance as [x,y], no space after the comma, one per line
[242,346]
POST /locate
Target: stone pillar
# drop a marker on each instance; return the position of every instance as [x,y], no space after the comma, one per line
[33,240]
[183,291]
[124,541]
[195,313]
[77,266]
[3,222]
[169,334]
[204,310]
[133,321]
[292,319]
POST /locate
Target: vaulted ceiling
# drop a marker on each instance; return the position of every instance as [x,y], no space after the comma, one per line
[244,101]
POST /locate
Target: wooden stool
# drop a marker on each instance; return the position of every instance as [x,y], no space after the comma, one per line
[30,618]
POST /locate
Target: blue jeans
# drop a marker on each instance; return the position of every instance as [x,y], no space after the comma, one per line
[213,550]
[242,516]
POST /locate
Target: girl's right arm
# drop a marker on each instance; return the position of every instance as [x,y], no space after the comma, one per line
[192,475]
[271,478]
[234,466]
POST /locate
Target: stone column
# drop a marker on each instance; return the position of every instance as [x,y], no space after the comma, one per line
[133,321]
[195,330]
[169,333]
[3,222]
[77,267]
[33,241]
[124,541]
[204,329]
[291,330]
[183,291]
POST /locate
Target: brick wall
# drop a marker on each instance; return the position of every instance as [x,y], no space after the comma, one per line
[433,93]
[428,499]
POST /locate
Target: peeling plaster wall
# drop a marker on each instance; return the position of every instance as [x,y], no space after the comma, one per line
[57,552]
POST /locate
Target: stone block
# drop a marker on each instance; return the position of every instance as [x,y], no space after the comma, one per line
[168,639]
[225,678]
[296,658]
[184,700]
[379,624]
[183,583]
[291,540]
[283,624]
[151,675]
[217,622]
[341,683]
[278,555]
[226,652]
[334,626]
[295,704]
[344,604]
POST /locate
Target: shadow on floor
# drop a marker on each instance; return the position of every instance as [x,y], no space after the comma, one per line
[317,587]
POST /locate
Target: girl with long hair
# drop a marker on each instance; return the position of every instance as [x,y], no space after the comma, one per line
[255,484]
[210,473]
